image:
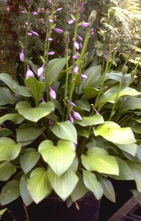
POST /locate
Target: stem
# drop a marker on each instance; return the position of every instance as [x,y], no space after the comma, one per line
[116,100]
[102,85]
[26,40]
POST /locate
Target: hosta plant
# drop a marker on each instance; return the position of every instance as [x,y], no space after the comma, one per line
[67,126]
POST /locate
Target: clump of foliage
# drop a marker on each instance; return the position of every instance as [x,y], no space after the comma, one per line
[68,124]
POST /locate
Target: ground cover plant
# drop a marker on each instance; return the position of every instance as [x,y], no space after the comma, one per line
[68,124]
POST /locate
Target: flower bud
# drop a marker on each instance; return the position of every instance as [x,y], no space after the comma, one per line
[92,17]
[66,35]
[124,69]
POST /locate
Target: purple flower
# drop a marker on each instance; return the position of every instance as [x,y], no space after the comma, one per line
[50,122]
[105,54]
[26,23]
[43,100]
[71,103]
[76,69]
[40,70]
[59,9]
[58,30]
[115,49]
[96,112]
[22,55]
[50,20]
[50,2]
[71,119]
[34,13]
[52,93]
[29,73]
[105,88]
[83,76]
[76,45]
[70,21]
[23,12]
[51,53]
[50,39]
[79,37]
[34,33]
[85,24]
[75,56]
[81,46]
[76,115]
[29,33]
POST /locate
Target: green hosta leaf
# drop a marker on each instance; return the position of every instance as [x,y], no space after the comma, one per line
[6,97]
[65,130]
[34,113]
[132,103]
[9,192]
[114,133]
[7,79]
[7,171]
[9,149]
[65,184]
[111,94]
[59,157]
[90,92]
[24,191]
[108,189]
[83,104]
[92,120]
[129,148]
[80,189]
[22,90]
[82,132]
[2,211]
[4,132]
[136,170]
[93,74]
[117,75]
[92,184]
[38,184]
[125,172]
[28,133]
[97,159]
[136,127]
[35,87]
[16,118]
[54,67]
[29,159]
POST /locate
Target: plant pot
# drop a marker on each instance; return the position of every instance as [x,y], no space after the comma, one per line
[56,210]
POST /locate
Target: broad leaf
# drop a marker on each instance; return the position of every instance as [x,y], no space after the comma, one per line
[92,184]
[97,159]
[114,133]
[16,118]
[90,92]
[29,159]
[38,185]
[54,67]
[92,120]
[59,157]
[6,171]
[129,148]
[7,79]
[83,104]
[65,184]
[4,132]
[34,113]
[9,149]
[6,96]
[22,90]
[125,172]
[65,130]
[35,87]
[132,103]
[28,133]
[9,192]
[136,170]
[108,189]
[93,74]
[80,189]
[24,191]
